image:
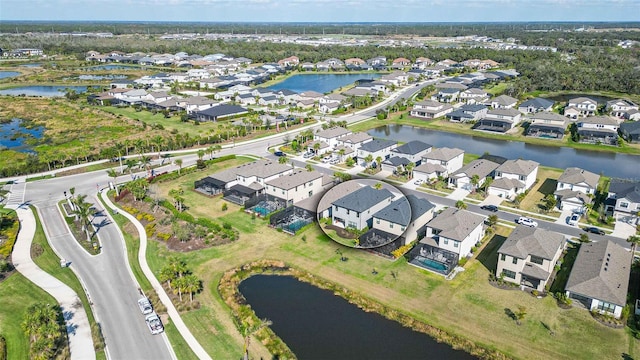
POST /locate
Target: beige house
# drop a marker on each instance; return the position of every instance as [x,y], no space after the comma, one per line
[527,257]
[297,186]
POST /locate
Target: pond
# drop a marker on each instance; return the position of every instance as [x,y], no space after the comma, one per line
[42,90]
[316,324]
[321,83]
[14,136]
[113,67]
[608,163]
[8,74]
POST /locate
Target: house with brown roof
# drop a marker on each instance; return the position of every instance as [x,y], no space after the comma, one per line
[480,168]
[291,61]
[528,256]
[599,279]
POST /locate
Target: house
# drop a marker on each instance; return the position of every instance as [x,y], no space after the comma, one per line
[422,211]
[547,125]
[393,163]
[249,172]
[270,100]
[536,105]
[430,109]
[598,130]
[422,63]
[630,131]
[446,63]
[528,257]
[449,237]
[401,62]
[574,188]
[261,172]
[388,224]
[513,177]
[332,99]
[473,96]
[412,151]
[624,196]
[247,99]
[354,140]
[289,62]
[468,113]
[479,168]
[377,148]
[318,147]
[328,108]
[599,279]
[446,95]
[620,107]
[218,112]
[324,205]
[439,163]
[355,210]
[331,135]
[297,185]
[196,103]
[499,120]
[582,106]
[503,102]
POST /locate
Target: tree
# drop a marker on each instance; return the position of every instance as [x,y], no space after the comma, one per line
[379,162]
[377,186]
[200,154]
[158,141]
[369,160]
[83,212]
[138,188]
[461,204]
[492,220]
[549,202]
[176,194]
[634,240]
[316,147]
[475,180]
[178,163]
[520,314]
[282,160]
[192,285]
[309,167]
[409,169]
[166,275]
[487,183]
[114,174]
[247,330]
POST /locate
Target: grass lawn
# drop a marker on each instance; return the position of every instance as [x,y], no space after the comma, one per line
[418,293]
[545,185]
[169,124]
[17,294]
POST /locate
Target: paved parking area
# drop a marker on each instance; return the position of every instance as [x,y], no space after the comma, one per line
[458,194]
[492,200]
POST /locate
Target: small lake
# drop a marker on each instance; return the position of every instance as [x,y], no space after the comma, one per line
[42,90]
[8,74]
[321,83]
[316,324]
[14,136]
[608,163]
[113,67]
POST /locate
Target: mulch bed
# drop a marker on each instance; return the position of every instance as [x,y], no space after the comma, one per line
[341,232]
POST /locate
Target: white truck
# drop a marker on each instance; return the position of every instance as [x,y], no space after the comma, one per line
[154,324]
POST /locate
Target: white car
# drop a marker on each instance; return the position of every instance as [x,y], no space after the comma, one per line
[418,182]
[326,159]
[154,324]
[145,306]
[334,161]
[574,219]
[526,221]
[308,155]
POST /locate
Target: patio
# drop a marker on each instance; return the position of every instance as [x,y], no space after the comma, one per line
[433,258]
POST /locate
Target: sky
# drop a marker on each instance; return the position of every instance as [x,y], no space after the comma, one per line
[322,10]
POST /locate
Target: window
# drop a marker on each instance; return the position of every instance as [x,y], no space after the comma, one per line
[522,178]
[402,228]
[537,260]
[515,260]
[503,257]
[606,307]
[624,205]
[455,244]
[446,242]
[508,274]
[378,221]
[390,225]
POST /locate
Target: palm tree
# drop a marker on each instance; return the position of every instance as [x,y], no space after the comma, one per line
[166,275]
[158,141]
[341,153]
[520,314]
[461,204]
[369,160]
[492,220]
[210,150]
[409,169]
[178,163]
[176,194]
[309,167]
[200,154]
[114,174]
[192,285]
[83,212]
[140,146]
[179,285]
[282,160]
[475,180]
[634,240]
[177,265]
[377,186]
[316,147]
[247,330]
[379,162]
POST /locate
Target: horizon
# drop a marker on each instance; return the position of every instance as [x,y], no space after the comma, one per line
[324,11]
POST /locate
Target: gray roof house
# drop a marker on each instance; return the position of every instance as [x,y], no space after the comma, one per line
[376,148]
[547,125]
[388,224]
[461,178]
[356,209]
[599,278]
[337,192]
[624,196]
[535,105]
[528,256]
[413,151]
[503,102]
[630,131]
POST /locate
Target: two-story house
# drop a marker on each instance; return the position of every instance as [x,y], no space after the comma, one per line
[473,96]
[354,140]
[439,163]
[377,148]
[446,95]
[479,169]
[528,256]
[413,151]
[621,107]
[535,105]
[598,130]
[388,224]
[580,106]
[630,131]
[298,185]
[356,209]
[575,188]
[599,278]
[261,172]
[513,177]
[422,211]
[624,197]
[498,120]
[430,109]
[547,125]
[502,102]
[468,113]
[331,136]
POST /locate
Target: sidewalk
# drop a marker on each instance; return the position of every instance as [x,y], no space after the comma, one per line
[171,310]
[75,317]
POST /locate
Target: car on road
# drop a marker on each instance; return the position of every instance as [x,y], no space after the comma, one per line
[307,155]
[279,153]
[154,324]
[418,182]
[334,161]
[491,208]
[526,221]
[593,230]
[573,220]
[145,306]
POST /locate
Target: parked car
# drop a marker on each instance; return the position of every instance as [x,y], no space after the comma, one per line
[418,182]
[145,306]
[491,208]
[154,324]
[593,230]
[574,219]
[308,155]
[326,159]
[334,161]
[526,221]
